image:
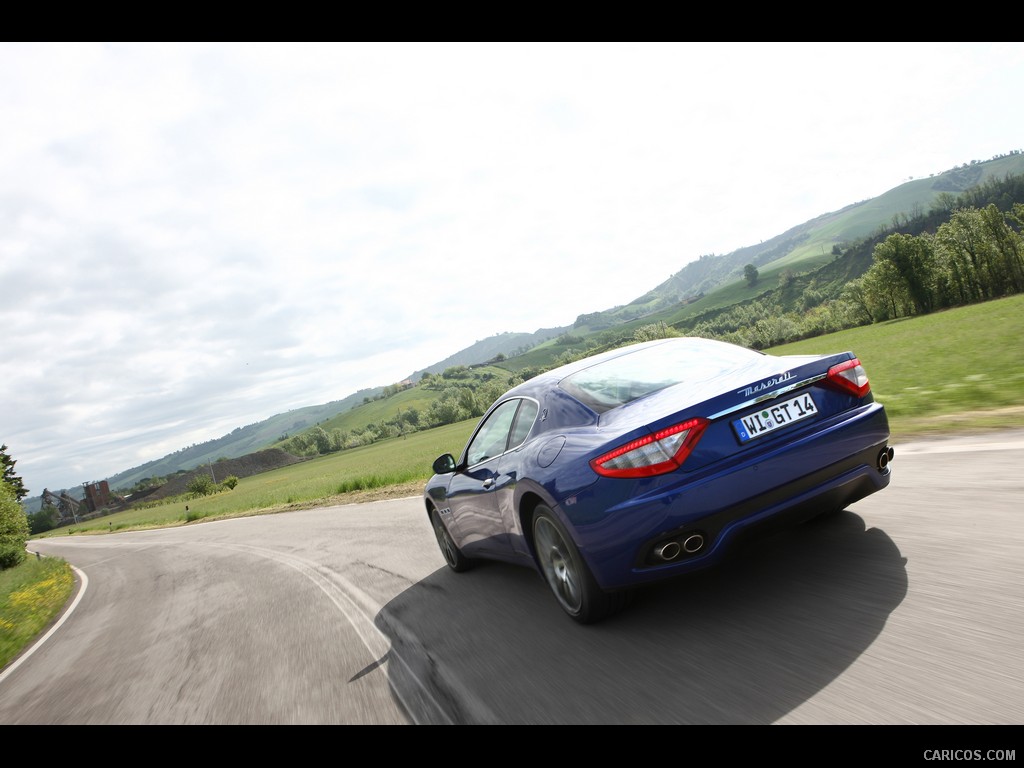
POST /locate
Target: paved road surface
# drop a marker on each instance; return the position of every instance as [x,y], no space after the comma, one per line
[907,608]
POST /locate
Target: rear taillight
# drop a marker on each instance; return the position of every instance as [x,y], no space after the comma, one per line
[850,377]
[655,454]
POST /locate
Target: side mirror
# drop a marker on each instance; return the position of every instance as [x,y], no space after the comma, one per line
[444,464]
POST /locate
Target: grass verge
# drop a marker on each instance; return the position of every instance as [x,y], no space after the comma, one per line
[32,595]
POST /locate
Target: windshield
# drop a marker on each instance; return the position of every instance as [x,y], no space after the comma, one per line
[622,379]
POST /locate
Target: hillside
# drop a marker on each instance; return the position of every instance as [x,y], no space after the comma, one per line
[835,247]
[240,441]
[243,466]
[507,344]
[802,247]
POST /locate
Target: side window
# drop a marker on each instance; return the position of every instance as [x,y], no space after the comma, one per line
[524,423]
[492,437]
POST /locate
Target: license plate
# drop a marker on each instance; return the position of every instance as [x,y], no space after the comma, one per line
[774,416]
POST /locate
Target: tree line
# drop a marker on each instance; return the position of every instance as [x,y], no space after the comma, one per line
[978,255]
[964,250]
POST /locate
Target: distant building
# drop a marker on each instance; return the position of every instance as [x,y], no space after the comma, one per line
[71,510]
[97,495]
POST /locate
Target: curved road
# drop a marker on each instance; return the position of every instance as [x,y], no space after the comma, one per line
[907,608]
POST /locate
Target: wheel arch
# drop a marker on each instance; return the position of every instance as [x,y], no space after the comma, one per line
[528,504]
[429,506]
[529,500]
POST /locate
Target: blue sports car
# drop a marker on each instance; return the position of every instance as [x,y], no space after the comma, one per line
[649,461]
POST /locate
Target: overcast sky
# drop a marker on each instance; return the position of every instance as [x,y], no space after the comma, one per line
[196,237]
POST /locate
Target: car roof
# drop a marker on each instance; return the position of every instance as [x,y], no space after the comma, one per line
[695,344]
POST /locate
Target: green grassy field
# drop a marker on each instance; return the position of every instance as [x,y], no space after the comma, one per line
[400,465]
[963,368]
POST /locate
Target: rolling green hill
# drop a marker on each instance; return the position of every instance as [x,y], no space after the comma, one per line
[714,281]
[238,442]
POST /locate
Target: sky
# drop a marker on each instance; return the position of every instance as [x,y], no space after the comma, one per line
[197,237]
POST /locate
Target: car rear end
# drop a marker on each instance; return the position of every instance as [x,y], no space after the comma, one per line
[697,466]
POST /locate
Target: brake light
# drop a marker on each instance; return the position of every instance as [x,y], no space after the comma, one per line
[655,454]
[850,377]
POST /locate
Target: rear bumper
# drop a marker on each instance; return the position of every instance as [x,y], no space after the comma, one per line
[693,524]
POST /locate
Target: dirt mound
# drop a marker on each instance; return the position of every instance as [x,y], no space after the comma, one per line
[243,466]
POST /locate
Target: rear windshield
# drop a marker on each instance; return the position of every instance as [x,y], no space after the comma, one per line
[622,379]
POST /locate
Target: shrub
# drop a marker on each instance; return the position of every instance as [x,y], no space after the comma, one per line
[202,485]
[13,528]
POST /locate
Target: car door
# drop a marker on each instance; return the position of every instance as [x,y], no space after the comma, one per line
[480,492]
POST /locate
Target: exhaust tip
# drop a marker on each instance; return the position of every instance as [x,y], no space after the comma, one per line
[668,551]
[885,456]
[688,544]
[693,543]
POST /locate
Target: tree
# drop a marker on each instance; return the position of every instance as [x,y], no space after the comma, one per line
[202,485]
[912,262]
[13,480]
[885,292]
[1009,250]
[855,296]
[787,281]
[321,439]
[13,528]
[411,416]
[45,519]
[750,274]
[654,331]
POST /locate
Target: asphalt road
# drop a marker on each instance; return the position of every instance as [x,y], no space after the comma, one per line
[907,608]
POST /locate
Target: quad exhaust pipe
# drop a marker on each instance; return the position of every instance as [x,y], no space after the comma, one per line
[670,550]
[884,457]
[692,543]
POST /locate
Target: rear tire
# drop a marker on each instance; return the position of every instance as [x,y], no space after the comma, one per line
[568,575]
[457,561]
